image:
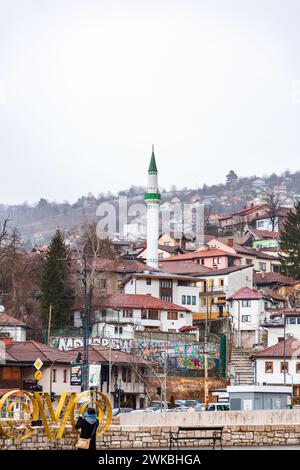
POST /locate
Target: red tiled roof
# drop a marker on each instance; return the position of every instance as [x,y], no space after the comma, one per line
[200,254]
[7,320]
[274,295]
[245,293]
[251,252]
[250,209]
[291,349]
[101,354]
[265,234]
[117,265]
[188,267]
[29,351]
[182,267]
[140,301]
[272,278]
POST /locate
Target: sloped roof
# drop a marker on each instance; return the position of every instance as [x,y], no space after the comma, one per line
[8,320]
[262,279]
[265,234]
[101,354]
[140,301]
[29,351]
[288,348]
[182,267]
[188,267]
[201,254]
[245,293]
[273,294]
[251,252]
[121,265]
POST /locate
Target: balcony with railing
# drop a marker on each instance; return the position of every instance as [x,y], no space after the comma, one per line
[117,316]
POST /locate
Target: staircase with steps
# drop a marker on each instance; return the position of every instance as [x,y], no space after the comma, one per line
[241,368]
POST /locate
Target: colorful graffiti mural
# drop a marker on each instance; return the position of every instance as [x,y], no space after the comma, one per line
[180,354]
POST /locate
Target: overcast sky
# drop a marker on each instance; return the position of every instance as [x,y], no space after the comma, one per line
[86,87]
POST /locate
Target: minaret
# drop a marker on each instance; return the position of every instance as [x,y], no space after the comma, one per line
[152,197]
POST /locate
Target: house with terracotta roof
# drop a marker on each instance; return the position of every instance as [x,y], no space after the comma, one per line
[279,365]
[247,312]
[210,258]
[247,216]
[12,328]
[128,371]
[118,316]
[17,371]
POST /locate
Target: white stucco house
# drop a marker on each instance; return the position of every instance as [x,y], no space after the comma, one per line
[279,365]
[12,328]
[247,311]
[122,314]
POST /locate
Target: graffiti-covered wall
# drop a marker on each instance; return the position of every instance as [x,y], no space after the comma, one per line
[180,354]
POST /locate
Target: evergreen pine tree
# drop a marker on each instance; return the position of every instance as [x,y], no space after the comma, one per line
[55,284]
[290,244]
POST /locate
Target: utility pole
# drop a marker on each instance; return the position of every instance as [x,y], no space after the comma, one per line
[85,368]
[165,377]
[284,353]
[49,324]
[206,396]
[109,374]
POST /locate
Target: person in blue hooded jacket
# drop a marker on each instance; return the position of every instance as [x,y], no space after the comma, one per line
[88,424]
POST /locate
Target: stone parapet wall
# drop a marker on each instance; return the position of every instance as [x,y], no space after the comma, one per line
[142,437]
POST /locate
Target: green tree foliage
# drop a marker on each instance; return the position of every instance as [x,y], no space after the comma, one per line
[55,285]
[290,244]
[231,177]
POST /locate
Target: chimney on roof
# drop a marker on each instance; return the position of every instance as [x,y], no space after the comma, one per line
[230,242]
[263,274]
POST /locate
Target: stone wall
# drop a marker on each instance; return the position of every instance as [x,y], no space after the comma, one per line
[141,437]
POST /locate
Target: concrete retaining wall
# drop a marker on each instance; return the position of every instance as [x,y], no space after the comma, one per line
[211,418]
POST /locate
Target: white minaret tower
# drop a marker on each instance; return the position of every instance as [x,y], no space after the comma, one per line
[152,197]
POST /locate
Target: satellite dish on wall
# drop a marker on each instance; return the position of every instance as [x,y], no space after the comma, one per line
[2,309]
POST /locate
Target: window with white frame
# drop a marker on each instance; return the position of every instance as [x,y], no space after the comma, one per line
[246,303]
[246,318]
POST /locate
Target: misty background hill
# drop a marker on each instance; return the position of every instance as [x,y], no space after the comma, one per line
[37,222]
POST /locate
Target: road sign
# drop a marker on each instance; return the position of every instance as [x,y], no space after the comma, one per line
[38,364]
[38,375]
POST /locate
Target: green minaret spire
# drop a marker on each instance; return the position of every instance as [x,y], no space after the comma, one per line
[152,167]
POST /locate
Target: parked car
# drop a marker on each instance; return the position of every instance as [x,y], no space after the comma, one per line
[186,403]
[189,403]
[152,408]
[117,411]
[219,407]
[200,407]
[182,408]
